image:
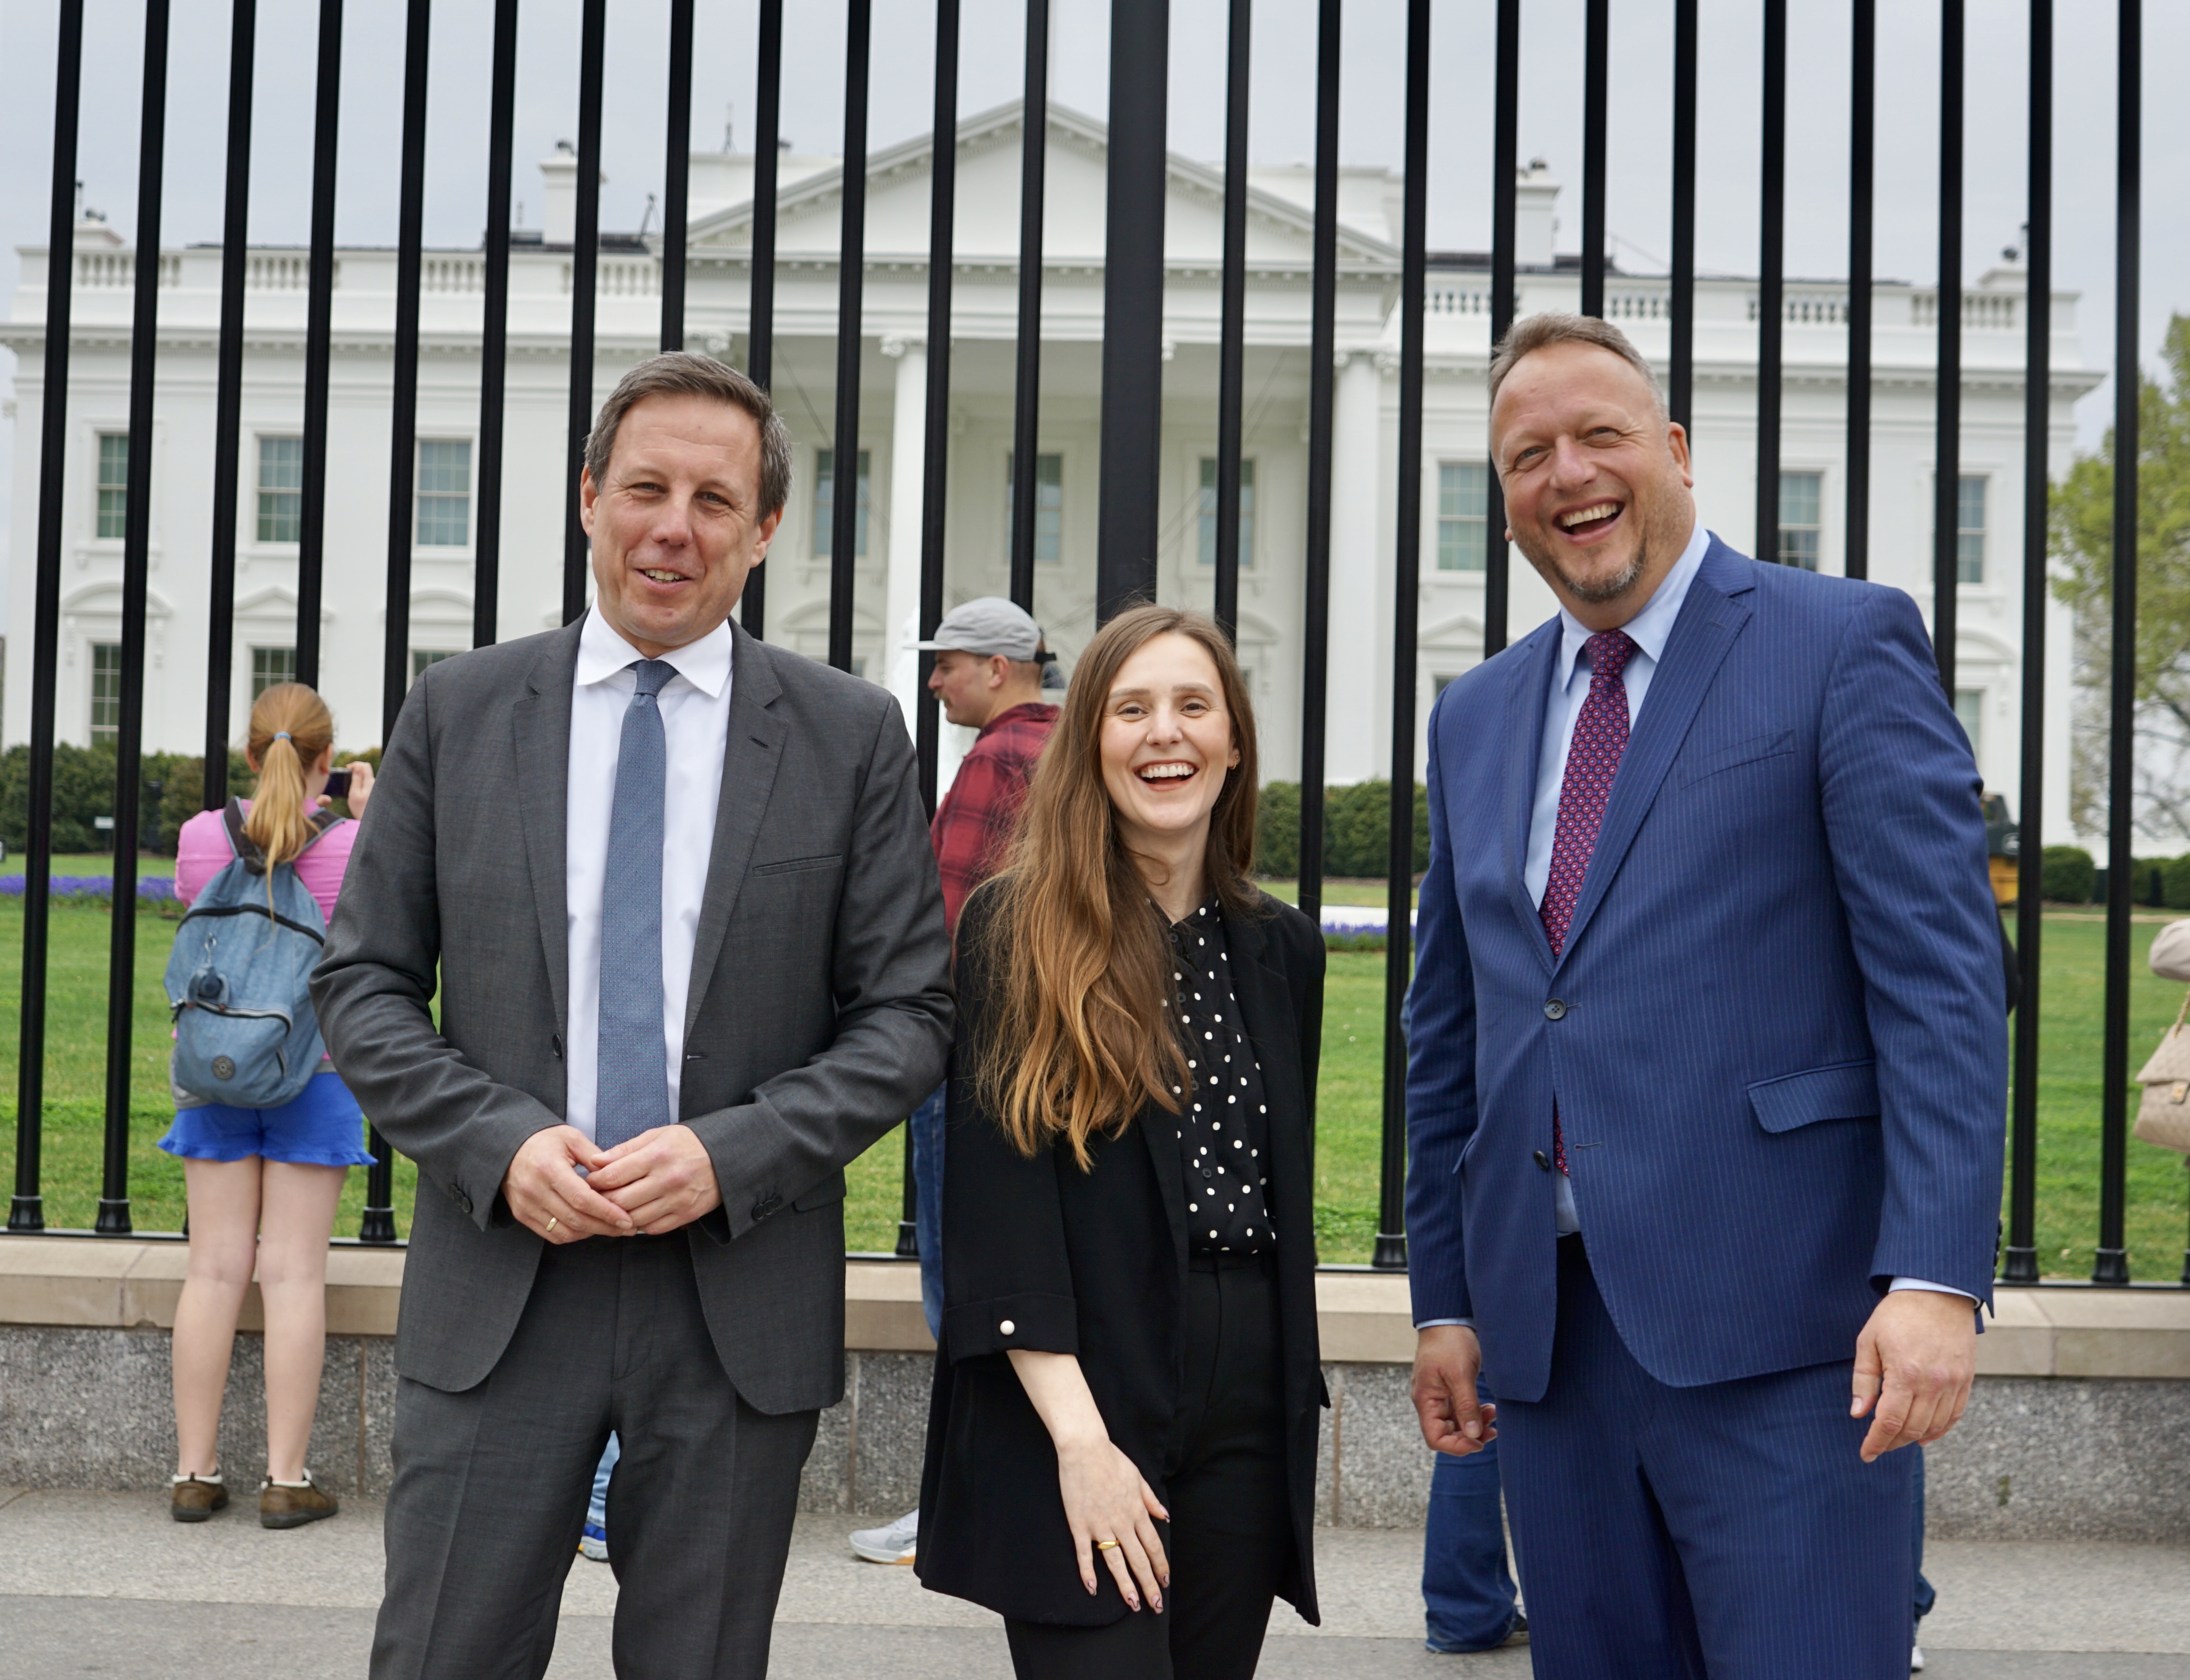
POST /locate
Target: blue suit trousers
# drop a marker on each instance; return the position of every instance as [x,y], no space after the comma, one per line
[1727,1530]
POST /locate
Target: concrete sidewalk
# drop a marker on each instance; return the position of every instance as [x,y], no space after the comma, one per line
[106,1583]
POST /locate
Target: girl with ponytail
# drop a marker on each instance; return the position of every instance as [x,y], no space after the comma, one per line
[263,1183]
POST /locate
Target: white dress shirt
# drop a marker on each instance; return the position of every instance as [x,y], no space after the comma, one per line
[695,727]
[1650,630]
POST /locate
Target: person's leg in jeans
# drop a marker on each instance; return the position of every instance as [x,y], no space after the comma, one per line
[1927,1595]
[595,1544]
[1466,1589]
[926,1125]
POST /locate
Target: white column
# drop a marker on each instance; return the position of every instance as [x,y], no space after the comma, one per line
[1357,724]
[908,480]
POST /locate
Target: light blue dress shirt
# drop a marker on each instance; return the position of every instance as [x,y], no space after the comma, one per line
[1650,630]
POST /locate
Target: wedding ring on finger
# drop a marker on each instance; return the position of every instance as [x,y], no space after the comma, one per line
[551,1226]
[1105,1545]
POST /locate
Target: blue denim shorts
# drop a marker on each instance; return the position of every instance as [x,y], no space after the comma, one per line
[322,1127]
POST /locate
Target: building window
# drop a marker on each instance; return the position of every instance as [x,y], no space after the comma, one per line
[106,691]
[1969,532]
[1801,496]
[269,666]
[1208,513]
[1463,515]
[1969,707]
[1048,505]
[280,490]
[113,486]
[422,657]
[824,503]
[445,492]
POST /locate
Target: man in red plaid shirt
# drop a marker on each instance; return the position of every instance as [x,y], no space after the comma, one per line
[990,664]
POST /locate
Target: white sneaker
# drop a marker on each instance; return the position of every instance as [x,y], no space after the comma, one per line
[1915,1659]
[893,1543]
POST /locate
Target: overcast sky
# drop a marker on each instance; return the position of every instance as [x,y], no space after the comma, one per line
[1282,128]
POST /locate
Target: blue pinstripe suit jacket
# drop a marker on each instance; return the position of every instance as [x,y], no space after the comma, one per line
[1775,1036]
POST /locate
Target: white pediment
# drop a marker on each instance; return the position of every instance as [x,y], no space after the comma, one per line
[809,209]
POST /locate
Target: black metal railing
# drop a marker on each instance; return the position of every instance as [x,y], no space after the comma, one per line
[1131,414]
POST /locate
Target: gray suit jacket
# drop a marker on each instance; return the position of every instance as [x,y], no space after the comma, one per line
[819,1012]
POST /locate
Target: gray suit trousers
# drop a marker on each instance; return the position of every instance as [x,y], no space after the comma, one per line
[491,1482]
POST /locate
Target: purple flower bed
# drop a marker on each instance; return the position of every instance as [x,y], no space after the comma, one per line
[150,888]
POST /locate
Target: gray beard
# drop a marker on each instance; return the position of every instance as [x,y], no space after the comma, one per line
[1611,589]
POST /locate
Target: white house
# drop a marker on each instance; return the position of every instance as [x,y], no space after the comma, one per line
[892,416]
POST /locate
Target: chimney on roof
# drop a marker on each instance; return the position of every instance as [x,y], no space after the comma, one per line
[559,183]
[1536,197]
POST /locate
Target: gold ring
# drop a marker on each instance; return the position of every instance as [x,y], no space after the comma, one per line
[551,1225]
[1104,1545]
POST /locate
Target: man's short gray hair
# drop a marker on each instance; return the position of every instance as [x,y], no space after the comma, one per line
[1539,331]
[685,374]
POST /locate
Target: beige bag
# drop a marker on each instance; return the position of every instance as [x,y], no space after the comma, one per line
[2163,1117]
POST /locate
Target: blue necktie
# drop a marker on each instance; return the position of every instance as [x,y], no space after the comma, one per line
[633,1093]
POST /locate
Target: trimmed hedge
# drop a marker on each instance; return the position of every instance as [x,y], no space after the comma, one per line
[2066,875]
[1357,828]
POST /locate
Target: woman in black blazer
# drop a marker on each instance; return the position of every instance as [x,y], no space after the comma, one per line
[1122,1446]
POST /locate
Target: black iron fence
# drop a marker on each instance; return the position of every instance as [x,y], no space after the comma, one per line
[1133,352]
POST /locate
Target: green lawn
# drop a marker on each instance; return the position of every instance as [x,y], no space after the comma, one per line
[1349,1102]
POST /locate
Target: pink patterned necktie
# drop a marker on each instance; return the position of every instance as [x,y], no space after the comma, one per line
[1599,736]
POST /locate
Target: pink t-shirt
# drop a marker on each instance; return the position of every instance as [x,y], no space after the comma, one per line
[202,851]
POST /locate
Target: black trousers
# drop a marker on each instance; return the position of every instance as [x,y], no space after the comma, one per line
[1230,1536]
[491,1483]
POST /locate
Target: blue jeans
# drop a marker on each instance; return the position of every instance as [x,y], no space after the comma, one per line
[1466,1588]
[597,1509]
[926,1126]
[1925,1595]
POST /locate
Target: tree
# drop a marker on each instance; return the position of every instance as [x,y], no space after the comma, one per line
[2081,538]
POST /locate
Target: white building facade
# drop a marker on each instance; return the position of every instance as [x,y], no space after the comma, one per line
[892,438]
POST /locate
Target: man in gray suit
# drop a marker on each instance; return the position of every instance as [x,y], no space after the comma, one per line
[675,888]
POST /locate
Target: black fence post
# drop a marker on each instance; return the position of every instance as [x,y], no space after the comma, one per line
[1133,306]
[1681,381]
[2110,1264]
[136,573]
[1771,290]
[1863,127]
[319,345]
[760,303]
[1391,1249]
[228,406]
[26,1208]
[1947,436]
[1026,401]
[677,175]
[1323,338]
[2020,1260]
[851,283]
[494,332]
[1595,74]
[584,285]
[1505,184]
[1232,333]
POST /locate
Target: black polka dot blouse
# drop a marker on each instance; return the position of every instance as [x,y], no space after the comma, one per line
[1223,1129]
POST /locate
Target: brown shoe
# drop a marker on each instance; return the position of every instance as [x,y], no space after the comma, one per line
[291,1505]
[195,1498]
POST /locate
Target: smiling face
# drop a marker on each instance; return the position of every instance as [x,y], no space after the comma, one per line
[676,526]
[1595,478]
[1167,744]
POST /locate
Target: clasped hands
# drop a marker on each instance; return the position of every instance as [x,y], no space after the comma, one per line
[646,1185]
[1915,1362]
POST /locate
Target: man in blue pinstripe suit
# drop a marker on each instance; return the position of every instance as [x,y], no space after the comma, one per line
[1704,1106]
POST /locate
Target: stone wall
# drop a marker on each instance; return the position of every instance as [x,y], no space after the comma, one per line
[2035,1458]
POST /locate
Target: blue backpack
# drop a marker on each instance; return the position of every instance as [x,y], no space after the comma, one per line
[245,1031]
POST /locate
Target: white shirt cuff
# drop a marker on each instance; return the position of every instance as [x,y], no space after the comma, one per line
[1936,1288]
[1432,1324]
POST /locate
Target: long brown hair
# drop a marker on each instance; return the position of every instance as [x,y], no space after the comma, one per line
[290,728]
[1081,1037]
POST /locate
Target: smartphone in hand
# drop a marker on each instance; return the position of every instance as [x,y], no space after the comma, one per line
[337,788]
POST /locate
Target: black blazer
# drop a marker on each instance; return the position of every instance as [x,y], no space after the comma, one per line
[1038,1254]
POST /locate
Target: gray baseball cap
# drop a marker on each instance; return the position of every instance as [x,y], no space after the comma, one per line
[989,625]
